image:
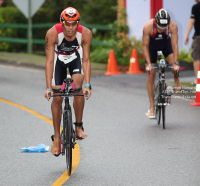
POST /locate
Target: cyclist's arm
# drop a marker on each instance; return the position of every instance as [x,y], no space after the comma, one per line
[146,40]
[174,40]
[86,41]
[50,43]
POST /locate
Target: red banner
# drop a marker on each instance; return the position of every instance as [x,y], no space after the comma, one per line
[155,5]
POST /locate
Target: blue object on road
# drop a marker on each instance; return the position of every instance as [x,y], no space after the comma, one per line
[40,148]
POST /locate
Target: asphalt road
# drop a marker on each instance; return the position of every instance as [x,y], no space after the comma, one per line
[123,146]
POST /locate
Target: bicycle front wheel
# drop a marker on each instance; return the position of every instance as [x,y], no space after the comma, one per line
[69,143]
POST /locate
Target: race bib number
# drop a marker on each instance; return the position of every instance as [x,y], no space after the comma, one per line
[67,58]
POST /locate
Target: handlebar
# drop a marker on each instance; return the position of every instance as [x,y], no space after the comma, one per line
[68,89]
[67,94]
[161,64]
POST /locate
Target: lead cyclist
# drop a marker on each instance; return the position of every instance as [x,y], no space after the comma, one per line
[64,50]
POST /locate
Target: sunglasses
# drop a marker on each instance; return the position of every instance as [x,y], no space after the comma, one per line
[162,28]
[74,23]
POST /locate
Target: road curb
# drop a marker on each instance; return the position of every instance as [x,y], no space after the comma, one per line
[22,64]
[94,72]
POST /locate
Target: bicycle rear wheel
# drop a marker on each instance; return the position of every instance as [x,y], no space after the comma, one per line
[68,137]
[158,114]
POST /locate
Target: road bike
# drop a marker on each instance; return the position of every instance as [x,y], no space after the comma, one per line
[162,97]
[68,137]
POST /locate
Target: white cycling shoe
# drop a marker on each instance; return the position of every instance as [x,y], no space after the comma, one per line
[150,117]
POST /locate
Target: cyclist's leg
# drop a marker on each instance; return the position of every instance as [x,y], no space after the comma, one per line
[56,106]
[76,72]
[150,82]
[168,53]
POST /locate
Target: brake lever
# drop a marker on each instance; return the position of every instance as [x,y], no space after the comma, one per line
[77,89]
[86,93]
[49,94]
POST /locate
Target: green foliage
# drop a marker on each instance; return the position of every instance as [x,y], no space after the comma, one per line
[7,3]
[99,12]
[185,56]
[55,8]
[11,15]
[122,44]
[91,11]
[100,55]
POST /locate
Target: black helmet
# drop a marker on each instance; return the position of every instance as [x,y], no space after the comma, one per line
[162,18]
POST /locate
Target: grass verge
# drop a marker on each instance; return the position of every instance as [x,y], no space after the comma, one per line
[39,59]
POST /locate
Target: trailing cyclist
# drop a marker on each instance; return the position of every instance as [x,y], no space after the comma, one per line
[160,34]
[64,42]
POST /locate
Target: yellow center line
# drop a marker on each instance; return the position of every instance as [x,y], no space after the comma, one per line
[75,152]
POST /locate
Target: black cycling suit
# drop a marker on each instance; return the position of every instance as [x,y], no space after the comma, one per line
[159,42]
[68,54]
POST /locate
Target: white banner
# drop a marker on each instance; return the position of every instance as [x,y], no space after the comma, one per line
[138,12]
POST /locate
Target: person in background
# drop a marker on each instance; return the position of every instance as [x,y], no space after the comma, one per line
[194,21]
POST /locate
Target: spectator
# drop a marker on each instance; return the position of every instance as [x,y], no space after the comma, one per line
[194,21]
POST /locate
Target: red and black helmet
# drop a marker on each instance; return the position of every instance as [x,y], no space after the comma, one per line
[69,14]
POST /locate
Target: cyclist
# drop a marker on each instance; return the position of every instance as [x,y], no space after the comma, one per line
[160,34]
[64,42]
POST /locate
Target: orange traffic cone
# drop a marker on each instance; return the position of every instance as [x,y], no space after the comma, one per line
[197,102]
[134,67]
[112,68]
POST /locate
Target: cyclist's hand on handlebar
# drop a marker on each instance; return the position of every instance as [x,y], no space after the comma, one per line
[48,94]
[148,68]
[176,68]
[87,92]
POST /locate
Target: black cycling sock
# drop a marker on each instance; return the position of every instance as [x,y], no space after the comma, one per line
[78,124]
[176,76]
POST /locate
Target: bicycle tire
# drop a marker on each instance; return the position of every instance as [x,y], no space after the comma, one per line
[156,101]
[63,133]
[69,142]
[163,101]
[158,115]
[163,116]
[68,137]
